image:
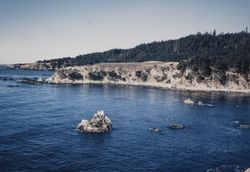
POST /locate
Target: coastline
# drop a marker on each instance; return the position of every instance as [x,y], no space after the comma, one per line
[245,92]
[155,74]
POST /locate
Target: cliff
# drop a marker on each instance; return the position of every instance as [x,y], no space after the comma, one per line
[154,74]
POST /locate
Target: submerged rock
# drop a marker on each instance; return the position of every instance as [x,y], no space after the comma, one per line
[188,101]
[13,85]
[236,122]
[29,80]
[100,123]
[227,168]
[246,126]
[154,129]
[32,80]
[176,126]
[200,103]
[6,78]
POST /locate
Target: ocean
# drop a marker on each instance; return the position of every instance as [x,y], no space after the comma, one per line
[38,128]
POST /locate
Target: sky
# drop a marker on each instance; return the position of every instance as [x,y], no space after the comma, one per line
[32,30]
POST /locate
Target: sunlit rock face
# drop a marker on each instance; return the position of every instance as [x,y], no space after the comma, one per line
[153,74]
[100,123]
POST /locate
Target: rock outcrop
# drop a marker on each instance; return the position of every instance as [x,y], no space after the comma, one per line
[247,170]
[100,123]
[200,103]
[176,126]
[245,126]
[155,130]
[227,168]
[188,101]
[153,74]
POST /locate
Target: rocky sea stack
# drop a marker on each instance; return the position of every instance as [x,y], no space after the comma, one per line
[100,123]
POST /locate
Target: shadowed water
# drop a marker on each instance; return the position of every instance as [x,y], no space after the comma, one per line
[38,122]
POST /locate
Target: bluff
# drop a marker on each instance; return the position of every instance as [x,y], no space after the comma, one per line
[153,74]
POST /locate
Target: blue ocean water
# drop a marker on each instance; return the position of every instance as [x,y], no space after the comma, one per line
[38,121]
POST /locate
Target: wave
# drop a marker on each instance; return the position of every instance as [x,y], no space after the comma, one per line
[200,103]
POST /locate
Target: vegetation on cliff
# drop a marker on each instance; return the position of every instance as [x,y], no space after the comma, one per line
[201,52]
[154,74]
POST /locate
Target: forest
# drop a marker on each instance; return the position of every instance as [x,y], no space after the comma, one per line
[200,52]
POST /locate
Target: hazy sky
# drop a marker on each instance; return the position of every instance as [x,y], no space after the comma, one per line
[32,30]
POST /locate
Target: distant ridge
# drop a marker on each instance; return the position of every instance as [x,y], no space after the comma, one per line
[201,52]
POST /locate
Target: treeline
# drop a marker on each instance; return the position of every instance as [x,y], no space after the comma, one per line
[201,52]
[219,53]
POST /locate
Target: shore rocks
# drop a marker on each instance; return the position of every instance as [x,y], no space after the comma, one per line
[61,74]
[189,101]
[28,81]
[100,123]
[32,80]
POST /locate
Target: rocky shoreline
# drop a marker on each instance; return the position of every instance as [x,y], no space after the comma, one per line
[151,74]
[32,66]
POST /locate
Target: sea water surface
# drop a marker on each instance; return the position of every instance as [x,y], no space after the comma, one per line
[38,121]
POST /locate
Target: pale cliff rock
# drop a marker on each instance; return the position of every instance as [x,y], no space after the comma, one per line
[154,74]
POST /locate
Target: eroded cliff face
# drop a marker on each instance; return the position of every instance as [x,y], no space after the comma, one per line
[155,74]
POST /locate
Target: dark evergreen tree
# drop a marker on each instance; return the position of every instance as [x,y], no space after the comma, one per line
[200,52]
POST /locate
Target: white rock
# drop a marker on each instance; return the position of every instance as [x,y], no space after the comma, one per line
[188,101]
[100,123]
